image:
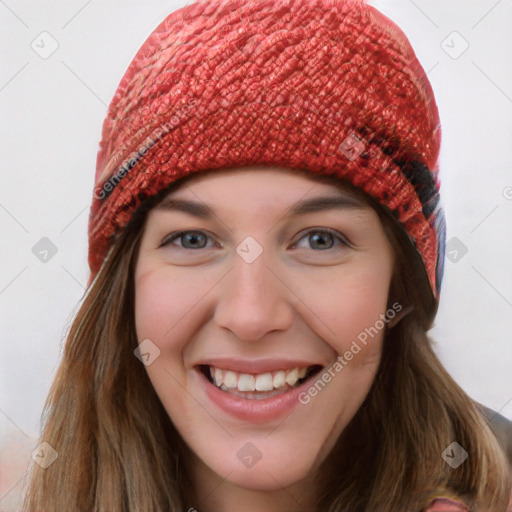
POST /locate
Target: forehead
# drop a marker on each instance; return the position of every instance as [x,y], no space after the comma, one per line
[253,183]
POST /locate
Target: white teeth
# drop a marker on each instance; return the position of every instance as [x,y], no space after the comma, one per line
[292,377]
[246,382]
[279,379]
[228,380]
[218,376]
[264,382]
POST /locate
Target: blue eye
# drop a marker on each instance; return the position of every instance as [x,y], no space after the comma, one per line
[194,239]
[323,239]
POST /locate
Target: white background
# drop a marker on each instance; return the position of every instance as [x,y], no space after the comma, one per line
[51,112]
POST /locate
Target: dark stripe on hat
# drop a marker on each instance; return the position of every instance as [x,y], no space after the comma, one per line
[420,177]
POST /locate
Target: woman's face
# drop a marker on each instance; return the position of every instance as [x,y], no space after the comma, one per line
[246,280]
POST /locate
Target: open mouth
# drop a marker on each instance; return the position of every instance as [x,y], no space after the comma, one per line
[258,386]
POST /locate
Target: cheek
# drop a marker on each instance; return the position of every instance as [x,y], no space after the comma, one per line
[163,301]
[151,301]
[147,306]
[349,304]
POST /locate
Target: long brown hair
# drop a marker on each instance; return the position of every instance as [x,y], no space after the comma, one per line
[119,451]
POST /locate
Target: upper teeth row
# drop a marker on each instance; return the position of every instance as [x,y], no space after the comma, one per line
[260,382]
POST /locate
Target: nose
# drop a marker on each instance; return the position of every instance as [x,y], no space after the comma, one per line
[253,300]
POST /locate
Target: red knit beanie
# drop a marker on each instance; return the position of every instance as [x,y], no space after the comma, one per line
[330,86]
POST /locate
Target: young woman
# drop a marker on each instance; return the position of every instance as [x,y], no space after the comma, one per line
[266,253]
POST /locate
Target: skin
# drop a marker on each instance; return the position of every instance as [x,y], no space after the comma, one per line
[299,298]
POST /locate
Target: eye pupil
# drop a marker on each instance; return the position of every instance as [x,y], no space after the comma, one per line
[319,236]
[192,237]
[322,239]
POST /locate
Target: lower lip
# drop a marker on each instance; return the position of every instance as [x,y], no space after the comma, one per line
[254,411]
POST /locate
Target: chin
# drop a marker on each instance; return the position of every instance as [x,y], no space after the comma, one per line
[281,463]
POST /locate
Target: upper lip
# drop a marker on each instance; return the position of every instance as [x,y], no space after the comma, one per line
[257,366]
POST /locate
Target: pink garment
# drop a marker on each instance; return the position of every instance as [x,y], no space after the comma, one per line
[446,505]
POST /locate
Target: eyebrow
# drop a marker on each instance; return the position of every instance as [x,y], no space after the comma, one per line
[313,205]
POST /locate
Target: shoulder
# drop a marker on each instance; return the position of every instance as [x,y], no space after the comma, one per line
[502,428]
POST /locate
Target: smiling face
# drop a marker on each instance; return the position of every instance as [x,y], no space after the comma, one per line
[251,287]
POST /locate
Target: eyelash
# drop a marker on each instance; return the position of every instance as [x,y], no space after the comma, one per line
[168,240]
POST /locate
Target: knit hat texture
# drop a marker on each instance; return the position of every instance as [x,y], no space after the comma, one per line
[330,86]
